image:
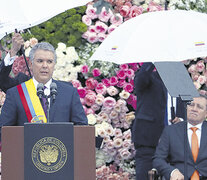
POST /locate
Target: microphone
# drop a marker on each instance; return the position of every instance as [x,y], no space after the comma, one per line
[53,90]
[40,90]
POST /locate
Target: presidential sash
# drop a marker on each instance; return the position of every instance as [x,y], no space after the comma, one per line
[31,102]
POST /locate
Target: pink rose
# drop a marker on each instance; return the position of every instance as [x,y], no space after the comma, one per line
[106,82]
[121,74]
[100,88]
[202,79]
[87,20]
[200,66]
[90,111]
[121,83]
[112,91]
[113,115]
[195,76]
[109,102]
[132,99]
[96,72]
[33,41]
[91,12]
[111,28]
[116,19]
[134,66]
[127,135]
[128,87]
[127,144]
[90,99]
[100,27]
[124,67]
[120,2]
[113,81]
[124,10]
[130,73]
[19,65]
[101,37]
[154,7]
[95,107]
[118,142]
[82,92]
[135,11]
[118,132]
[125,154]
[76,83]
[110,145]
[84,69]
[192,69]
[92,37]
[105,15]
[91,29]
[85,35]
[91,83]
[99,99]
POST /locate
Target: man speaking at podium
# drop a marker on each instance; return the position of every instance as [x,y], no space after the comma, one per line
[22,103]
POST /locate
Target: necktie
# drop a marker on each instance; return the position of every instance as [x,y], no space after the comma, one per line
[195,149]
[44,103]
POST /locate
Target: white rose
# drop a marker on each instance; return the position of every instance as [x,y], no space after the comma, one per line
[61,46]
[27,51]
[72,53]
[91,119]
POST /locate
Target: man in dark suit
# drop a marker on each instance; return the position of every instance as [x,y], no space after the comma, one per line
[66,107]
[149,117]
[169,155]
[6,65]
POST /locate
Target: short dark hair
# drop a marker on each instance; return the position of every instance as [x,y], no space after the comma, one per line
[203,96]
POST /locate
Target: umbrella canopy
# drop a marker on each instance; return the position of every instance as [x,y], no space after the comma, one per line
[22,14]
[173,35]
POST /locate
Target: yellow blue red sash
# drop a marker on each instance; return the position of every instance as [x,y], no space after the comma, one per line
[31,102]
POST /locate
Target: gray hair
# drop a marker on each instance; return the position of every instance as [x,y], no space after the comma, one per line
[43,46]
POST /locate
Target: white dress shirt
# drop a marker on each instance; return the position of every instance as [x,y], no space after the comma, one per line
[47,89]
[8,60]
[198,132]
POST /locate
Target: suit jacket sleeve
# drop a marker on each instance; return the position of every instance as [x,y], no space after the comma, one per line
[142,77]
[6,81]
[78,115]
[160,159]
[9,111]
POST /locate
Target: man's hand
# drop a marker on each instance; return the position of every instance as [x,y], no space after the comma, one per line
[177,175]
[17,42]
[176,120]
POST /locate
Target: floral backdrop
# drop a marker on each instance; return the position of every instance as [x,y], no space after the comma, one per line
[106,89]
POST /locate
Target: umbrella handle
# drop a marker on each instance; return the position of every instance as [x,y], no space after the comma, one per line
[25,59]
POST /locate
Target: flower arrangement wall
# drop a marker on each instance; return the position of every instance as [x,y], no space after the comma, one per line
[101,20]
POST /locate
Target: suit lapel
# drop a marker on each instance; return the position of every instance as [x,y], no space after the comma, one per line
[180,132]
[203,141]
